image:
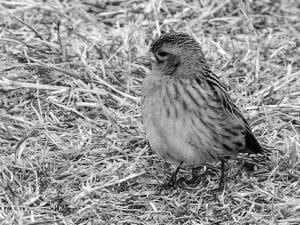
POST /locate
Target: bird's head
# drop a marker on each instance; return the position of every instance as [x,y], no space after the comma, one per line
[176,53]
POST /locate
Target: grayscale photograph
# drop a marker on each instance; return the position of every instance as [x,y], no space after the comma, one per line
[159,112]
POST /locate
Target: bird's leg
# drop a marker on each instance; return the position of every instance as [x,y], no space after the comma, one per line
[222,177]
[173,177]
[172,180]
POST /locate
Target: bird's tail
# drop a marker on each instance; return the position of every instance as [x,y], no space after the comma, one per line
[262,159]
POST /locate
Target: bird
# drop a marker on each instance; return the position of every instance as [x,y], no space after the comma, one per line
[188,115]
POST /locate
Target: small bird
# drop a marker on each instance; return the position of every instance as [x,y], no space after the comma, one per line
[187,113]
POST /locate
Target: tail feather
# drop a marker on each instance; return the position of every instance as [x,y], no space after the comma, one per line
[252,144]
[261,158]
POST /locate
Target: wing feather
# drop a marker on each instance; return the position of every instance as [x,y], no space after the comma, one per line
[251,144]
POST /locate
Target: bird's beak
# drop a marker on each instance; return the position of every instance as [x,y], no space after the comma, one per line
[145,59]
[152,58]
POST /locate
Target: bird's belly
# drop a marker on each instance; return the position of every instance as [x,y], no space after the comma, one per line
[168,137]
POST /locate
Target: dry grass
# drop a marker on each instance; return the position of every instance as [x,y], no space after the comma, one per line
[72,146]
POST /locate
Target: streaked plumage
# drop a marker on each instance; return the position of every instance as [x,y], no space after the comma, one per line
[187,112]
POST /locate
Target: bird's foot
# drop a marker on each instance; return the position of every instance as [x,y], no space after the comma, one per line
[172,181]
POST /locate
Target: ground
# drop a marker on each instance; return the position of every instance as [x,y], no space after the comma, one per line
[72,145]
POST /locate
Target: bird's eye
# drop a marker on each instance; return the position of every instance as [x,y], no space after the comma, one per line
[162,54]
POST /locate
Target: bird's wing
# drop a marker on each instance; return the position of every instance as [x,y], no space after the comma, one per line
[231,110]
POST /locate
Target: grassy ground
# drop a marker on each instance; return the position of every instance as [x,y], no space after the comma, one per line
[72,146]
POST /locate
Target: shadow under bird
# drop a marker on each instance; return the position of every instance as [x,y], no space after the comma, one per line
[187,113]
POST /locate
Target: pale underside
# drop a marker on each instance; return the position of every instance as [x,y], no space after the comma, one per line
[184,125]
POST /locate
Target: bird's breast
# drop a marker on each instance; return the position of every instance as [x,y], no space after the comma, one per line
[171,123]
